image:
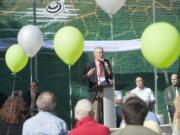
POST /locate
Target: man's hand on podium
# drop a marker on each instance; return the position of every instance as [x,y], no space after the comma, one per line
[110,81]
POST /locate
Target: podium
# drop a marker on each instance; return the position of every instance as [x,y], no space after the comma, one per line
[109,115]
[109,111]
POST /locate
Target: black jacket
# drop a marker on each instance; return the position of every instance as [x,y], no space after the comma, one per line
[93,79]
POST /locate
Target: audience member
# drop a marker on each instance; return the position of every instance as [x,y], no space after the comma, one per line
[86,125]
[31,97]
[176,121]
[144,93]
[151,121]
[153,126]
[12,114]
[134,112]
[118,104]
[171,93]
[45,123]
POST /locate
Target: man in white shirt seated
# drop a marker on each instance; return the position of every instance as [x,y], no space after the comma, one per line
[144,93]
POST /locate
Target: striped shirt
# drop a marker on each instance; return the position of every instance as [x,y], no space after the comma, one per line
[44,123]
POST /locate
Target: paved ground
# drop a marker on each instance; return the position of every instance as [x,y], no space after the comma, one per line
[166,129]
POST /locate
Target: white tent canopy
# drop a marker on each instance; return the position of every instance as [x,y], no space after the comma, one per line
[108,45]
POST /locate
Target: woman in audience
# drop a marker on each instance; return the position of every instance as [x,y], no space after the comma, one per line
[12,114]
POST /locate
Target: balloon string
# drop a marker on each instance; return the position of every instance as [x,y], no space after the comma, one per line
[14,78]
[111,23]
[31,78]
[12,98]
[70,97]
[12,94]
[154,11]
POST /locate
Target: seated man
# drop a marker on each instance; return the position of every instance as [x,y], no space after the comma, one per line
[86,125]
[134,112]
[118,105]
[144,93]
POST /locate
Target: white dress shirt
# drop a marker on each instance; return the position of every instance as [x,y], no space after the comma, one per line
[145,94]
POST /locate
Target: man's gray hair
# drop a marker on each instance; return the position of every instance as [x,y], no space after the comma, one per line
[46,101]
[98,48]
[83,108]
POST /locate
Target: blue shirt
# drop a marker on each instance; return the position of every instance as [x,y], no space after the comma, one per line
[152,116]
[44,123]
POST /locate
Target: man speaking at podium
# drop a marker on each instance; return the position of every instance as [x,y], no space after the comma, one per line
[97,72]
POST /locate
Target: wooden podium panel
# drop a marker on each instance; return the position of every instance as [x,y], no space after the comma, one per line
[109,112]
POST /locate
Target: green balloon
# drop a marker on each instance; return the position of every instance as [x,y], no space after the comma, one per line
[160,44]
[68,44]
[15,58]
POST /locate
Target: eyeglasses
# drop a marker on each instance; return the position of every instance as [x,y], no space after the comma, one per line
[100,52]
[139,80]
[32,86]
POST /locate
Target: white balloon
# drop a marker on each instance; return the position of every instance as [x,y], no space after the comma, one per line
[110,6]
[30,39]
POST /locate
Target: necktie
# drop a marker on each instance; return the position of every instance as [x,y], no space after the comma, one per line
[100,69]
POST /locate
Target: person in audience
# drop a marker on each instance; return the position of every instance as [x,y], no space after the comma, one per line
[153,126]
[118,104]
[13,113]
[151,116]
[86,125]
[45,122]
[134,112]
[144,93]
[31,96]
[170,93]
[176,120]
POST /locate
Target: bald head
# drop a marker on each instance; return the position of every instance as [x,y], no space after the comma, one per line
[175,79]
[83,108]
[46,101]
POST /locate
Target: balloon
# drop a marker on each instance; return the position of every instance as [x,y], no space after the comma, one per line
[160,44]
[68,44]
[30,39]
[15,58]
[110,6]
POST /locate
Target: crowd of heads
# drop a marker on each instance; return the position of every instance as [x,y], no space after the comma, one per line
[15,109]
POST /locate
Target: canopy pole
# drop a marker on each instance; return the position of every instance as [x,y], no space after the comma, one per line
[36,57]
[155,69]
